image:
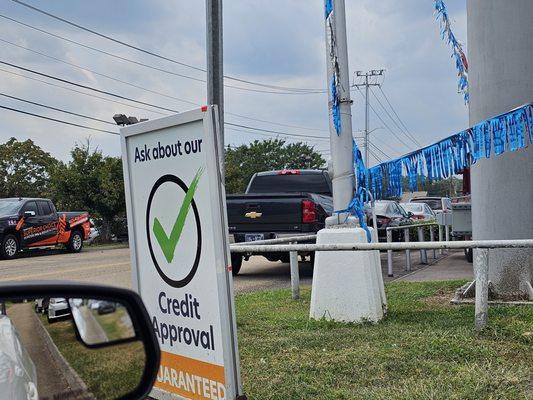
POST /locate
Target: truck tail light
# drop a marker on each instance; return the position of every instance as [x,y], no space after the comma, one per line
[308,211]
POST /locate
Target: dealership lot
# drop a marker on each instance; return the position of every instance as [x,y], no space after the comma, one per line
[110,265]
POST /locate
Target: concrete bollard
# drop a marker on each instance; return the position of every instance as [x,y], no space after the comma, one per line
[347,285]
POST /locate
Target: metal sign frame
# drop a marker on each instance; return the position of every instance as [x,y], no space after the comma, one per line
[209,117]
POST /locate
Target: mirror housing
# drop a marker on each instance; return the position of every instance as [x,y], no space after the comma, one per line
[409,214]
[28,214]
[130,301]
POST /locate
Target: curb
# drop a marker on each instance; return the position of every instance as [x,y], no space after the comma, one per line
[71,376]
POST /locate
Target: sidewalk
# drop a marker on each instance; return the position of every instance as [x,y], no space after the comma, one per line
[452,266]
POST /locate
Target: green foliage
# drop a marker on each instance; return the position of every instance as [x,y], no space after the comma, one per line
[24,169]
[90,182]
[273,154]
[450,187]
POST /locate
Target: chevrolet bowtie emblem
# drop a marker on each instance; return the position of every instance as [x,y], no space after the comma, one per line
[253,214]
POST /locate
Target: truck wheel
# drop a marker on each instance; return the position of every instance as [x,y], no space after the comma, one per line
[10,247]
[469,255]
[75,244]
[236,263]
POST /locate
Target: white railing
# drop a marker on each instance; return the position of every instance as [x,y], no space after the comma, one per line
[481,268]
[420,232]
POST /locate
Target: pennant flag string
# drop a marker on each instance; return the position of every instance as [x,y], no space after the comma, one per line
[461,64]
[450,156]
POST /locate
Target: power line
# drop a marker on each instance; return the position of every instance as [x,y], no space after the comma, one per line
[57,120]
[150,90]
[86,87]
[384,123]
[149,104]
[98,73]
[56,109]
[381,151]
[394,120]
[269,135]
[375,156]
[129,60]
[153,54]
[80,92]
[397,116]
[367,84]
[276,132]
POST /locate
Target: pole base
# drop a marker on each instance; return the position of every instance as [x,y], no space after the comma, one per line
[347,285]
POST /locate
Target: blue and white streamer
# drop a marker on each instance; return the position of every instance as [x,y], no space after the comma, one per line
[356,206]
[450,156]
[334,82]
[457,49]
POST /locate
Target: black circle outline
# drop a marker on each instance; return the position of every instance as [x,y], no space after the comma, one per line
[183,282]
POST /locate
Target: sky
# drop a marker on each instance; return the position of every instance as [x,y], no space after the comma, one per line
[275,42]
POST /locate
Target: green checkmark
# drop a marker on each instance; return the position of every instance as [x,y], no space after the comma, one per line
[168,243]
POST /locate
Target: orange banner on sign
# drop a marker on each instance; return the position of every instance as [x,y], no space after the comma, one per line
[190,378]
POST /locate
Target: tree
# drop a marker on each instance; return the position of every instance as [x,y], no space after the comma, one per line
[273,154]
[24,169]
[91,182]
[449,187]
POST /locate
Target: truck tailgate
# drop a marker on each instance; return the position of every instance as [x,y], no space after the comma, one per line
[265,212]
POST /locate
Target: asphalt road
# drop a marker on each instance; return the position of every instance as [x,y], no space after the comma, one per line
[111,266]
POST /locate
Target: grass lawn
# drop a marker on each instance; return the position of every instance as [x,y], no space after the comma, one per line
[108,372]
[116,325]
[425,349]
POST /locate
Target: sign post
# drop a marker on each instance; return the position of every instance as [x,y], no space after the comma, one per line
[177,226]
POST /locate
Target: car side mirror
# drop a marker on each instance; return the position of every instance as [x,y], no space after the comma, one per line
[28,214]
[409,214]
[79,341]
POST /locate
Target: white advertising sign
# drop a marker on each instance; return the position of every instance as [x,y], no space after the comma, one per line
[179,250]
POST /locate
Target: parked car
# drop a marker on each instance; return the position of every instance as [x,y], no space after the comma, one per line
[437,204]
[58,308]
[18,377]
[106,307]
[388,214]
[41,305]
[419,211]
[34,222]
[94,233]
[276,204]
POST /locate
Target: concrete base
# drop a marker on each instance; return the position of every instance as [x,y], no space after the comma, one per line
[347,285]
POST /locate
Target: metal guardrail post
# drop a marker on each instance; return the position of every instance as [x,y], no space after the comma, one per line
[447,233]
[432,239]
[481,270]
[440,239]
[407,251]
[295,275]
[423,252]
[389,254]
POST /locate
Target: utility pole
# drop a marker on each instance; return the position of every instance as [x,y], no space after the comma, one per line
[340,113]
[341,292]
[367,84]
[215,68]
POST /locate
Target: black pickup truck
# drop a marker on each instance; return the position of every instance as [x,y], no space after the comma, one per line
[32,222]
[277,204]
